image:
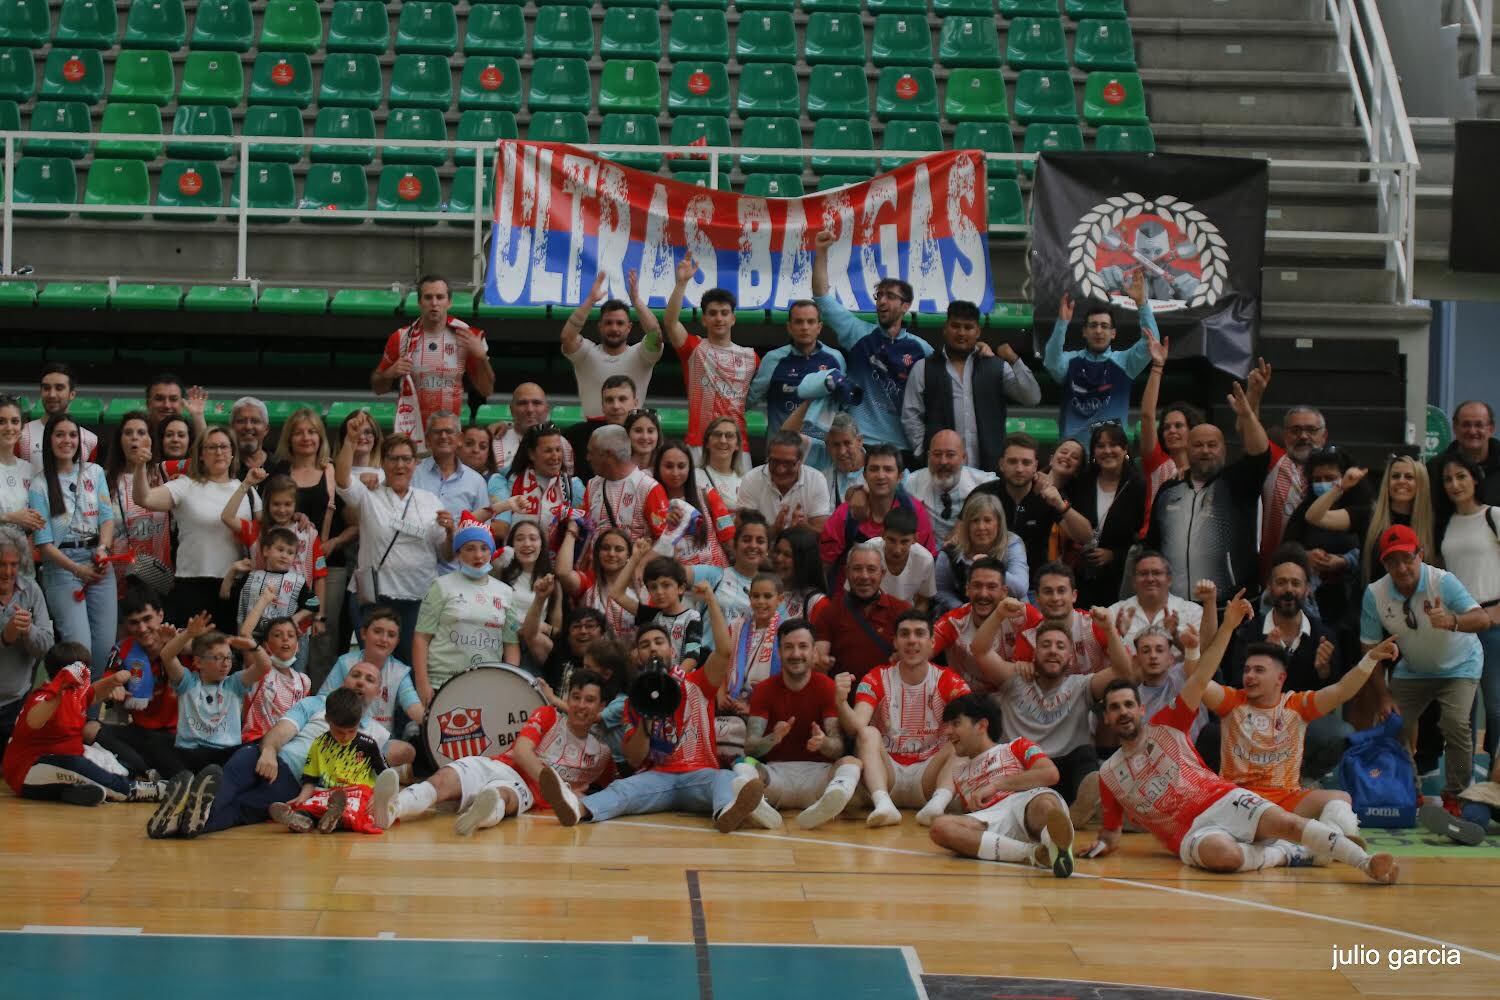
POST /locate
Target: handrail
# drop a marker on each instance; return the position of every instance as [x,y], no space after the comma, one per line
[1481,15]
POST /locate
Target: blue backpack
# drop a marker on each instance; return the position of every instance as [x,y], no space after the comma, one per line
[1377,773]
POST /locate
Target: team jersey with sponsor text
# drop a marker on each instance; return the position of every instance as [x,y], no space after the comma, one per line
[910,716]
[973,777]
[581,763]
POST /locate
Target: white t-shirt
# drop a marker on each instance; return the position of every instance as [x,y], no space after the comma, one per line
[810,492]
[1103,500]
[412,564]
[591,366]
[916,578]
[15,485]
[727,485]
[1472,553]
[205,546]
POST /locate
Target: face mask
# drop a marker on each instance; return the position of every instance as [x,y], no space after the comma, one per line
[1319,489]
[474,572]
[282,664]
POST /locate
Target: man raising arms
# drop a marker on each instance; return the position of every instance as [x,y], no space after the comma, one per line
[613,355]
[717,371]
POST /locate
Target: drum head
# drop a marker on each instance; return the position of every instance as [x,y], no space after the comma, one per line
[478,713]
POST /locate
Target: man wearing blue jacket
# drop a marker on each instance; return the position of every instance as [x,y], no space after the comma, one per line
[1096,380]
[779,378]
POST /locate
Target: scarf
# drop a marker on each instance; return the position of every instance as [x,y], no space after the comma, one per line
[409,418]
[743,653]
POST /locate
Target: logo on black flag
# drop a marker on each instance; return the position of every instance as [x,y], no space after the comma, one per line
[1173,245]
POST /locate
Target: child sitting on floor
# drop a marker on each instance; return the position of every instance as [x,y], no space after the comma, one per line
[338,780]
[210,700]
[283,686]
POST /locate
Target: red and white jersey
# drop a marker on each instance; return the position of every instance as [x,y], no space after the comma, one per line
[909,716]
[146,532]
[582,763]
[954,632]
[1090,644]
[684,741]
[310,559]
[508,444]
[973,777]
[1164,785]
[620,503]
[439,363]
[718,383]
[270,699]
[1280,495]
[1160,470]
[717,533]
[29,446]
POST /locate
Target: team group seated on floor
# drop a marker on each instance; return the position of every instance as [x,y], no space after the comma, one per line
[905,608]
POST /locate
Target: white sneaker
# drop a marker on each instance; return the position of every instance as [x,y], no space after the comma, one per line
[765,817]
[485,806]
[734,815]
[565,805]
[886,815]
[383,804]
[829,805]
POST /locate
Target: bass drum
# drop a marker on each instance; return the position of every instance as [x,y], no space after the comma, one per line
[478,713]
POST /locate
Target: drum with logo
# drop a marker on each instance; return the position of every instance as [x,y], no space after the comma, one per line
[478,713]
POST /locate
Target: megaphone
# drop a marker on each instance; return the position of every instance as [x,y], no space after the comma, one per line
[655,693]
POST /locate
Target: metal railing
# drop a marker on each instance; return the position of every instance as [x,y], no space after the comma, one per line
[1481,17]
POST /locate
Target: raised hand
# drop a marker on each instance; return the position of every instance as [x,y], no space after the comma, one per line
[1042,484]
[639,548]
[1206,592]
[685,269]
[1323,659]
[597,293]
[815,738]
[1160,350]
[1352,477]
[703,591]
[197,400]
[1438,616]
[1238,401]
[824,239]
[1188,637]
[779,731]
[1011,608]
[1237,611]
[843,684]
[1065,308]
[1137,289]
[1259,377]
[1388,651]
[543,588]
[1100,615]
[256,476]
[1123,619]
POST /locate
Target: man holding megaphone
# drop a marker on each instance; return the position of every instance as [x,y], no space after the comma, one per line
[669,740]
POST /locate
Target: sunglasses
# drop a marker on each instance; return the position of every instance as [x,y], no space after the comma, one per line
[1409,614]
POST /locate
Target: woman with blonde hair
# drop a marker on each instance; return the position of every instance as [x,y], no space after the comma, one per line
[1406,499]
[979,531]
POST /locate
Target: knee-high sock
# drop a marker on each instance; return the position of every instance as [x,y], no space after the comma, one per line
[1325,842]
[997,847]
[416,799]
[1340,816]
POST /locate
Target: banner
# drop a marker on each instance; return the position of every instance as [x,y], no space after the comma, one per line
[1194,226]
[562,213]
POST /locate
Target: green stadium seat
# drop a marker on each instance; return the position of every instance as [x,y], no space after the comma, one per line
[975,94]
[205,120]
[133,296]
[1114,99]
[116,182]
[699,34]
[415,123]
[122,118]
[1028,8]
[1080,9]
[90,24]
[421,81]
[697,4]
[828,182]
[563,31]
[769,89]
[759,5]
[10,121]
[211,77]
[630,33]
[969,41]
[630,86]
[558,126]
[219,298]
[344,123]
[282,78]
[901,40]
[17,294]
[905,93]
[333,188]
[834,37]
[351,80]
[699,178]
[189,184]
[428,27]
[833,6]
[291,26]
[493,29]
[155,24]
[1044,95]
[765,36]
[223,25]
[18,75]
[490,83]
[1104,44]
[461,200]
[909,136]
[60,117]
[988,137]
[699,87]
[774,186]
[44,180]
[75,295]
[144,75]
[384,413]
[25,22]
[838,92]
[1049,137]
[771,133]
[1125,139]
[295,301]
[409,189]
[637,130]
[270,186]
[1036,43]
[281,123]
[560,85]
[843,134]
[1005,205]
[713,130]
[483,126]
[878,7]
[945,8]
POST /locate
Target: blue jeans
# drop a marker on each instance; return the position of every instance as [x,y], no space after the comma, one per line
[704,791]
[1489,690]
[244,797]
[42,782]
[92,621]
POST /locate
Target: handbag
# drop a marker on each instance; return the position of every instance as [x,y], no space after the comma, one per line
[367,578]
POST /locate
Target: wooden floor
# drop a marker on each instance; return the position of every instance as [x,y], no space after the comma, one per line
[1139,917]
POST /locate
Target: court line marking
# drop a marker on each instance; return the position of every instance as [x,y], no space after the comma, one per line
[914,968]
[1253,904]
[700,937]
[84,929]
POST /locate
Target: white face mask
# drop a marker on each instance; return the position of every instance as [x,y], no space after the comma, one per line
[282,664]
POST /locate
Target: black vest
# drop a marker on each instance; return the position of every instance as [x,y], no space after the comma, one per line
[988,385]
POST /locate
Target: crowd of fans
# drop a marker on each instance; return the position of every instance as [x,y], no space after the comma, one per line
[904,607]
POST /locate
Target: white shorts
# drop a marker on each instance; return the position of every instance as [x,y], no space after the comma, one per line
[1236,815]
[906,790]
[477,773]
[1008,816]
[796,784]
[729,735]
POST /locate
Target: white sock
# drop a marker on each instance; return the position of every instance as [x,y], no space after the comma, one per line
[1254,857]
[935,806]
[996,847]
[845,776]
[743,773]
[1325,842]
[495,817]
[885,812]
[416,799]
[1339,815]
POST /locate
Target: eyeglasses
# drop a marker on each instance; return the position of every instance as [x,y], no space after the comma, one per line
[888,294]
[1305,430]
[401,459]
[442,432]
[215,658]
[216,447]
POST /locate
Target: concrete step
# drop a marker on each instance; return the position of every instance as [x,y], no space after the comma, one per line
[1319,284]
[1488,89]
[1234,43]
[1237,97]
[1260,10]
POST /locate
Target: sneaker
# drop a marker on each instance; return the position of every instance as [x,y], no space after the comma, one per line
[167,819]
[293,819]
[200,801]
[1086,803]
[154,790]
[733,815]
[765,817]
[329,821]
[564,803]
[1382,868]
[1452,806]
[484,805]
[1060,829]
[829,804]
[1438,820]
[383,806]
[1298,856]
[86,794]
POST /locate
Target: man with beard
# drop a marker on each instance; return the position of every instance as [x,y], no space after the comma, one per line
[955,631]
[1206,522]
[946,482]
[613,355]
[249,422]
[1032,504]
[1304,431]
[488,789]
[856,627]
[1057,600]
[529,408]
[1049,704]
[963,387]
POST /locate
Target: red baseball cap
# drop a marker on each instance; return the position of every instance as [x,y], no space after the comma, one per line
[1398,538]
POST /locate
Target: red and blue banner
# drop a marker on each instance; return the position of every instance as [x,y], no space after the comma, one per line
[562,213]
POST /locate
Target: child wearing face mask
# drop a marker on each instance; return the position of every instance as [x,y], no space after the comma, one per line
[283,686]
